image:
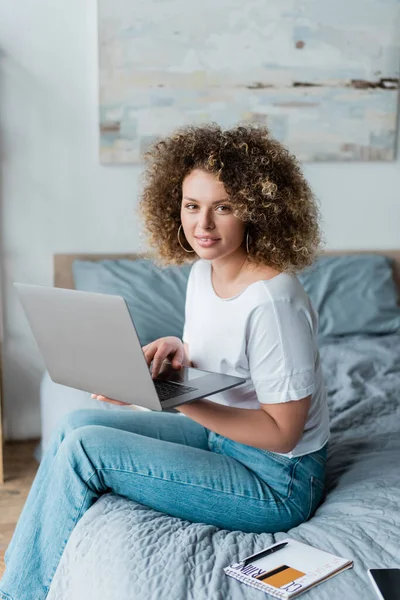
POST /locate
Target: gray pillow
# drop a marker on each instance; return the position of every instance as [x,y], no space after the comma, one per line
[155,296]
[353,294]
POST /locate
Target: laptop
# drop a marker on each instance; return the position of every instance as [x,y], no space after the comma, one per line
[88,341]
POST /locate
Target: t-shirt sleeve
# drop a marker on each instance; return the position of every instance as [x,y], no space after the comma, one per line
[185,333]
[280,351]
[188,301]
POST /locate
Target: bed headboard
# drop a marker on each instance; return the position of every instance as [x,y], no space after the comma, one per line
[63,263]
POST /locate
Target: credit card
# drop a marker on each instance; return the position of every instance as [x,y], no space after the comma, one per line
[280,576]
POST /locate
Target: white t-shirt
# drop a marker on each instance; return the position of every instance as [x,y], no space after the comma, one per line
[266,334]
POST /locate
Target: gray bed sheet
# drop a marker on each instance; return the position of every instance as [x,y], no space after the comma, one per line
[123,550]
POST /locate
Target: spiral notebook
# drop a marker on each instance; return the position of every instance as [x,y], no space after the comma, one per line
[289,571]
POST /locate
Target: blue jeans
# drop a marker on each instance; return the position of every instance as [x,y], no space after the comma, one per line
[162,460]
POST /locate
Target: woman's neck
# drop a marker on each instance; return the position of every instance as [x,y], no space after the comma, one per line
[228,269]
[234,271]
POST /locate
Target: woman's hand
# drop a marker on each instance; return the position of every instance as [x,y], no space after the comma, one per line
[166,347]
[170,348]
[110,400]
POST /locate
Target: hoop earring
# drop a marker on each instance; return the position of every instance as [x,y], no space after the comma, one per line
[247,242]
[179,230]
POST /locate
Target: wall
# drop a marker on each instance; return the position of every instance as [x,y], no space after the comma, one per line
[57,198]
[322,78]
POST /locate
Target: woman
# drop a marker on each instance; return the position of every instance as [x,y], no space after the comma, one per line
[252,458]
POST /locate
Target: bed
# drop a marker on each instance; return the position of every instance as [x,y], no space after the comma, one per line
[123,550]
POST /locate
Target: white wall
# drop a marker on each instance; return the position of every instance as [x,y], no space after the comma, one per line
[57,198]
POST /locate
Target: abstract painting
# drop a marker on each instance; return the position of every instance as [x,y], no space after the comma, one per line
[322,75]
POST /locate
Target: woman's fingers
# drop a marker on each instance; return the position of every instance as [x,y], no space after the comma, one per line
[165,351]
[149,352]
[162,353]
[157,362]
[164,348]
[177,360]
[109,400]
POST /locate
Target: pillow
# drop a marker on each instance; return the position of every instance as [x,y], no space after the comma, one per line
[353,294]
[155,296]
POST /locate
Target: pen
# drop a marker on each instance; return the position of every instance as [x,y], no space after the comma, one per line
[263,553]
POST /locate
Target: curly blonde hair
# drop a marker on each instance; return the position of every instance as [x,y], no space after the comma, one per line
[263,181]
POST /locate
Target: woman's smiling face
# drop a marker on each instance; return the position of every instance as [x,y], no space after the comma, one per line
[208,222]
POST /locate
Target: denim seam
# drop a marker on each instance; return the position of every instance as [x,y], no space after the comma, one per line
[66,541]
[311,498]
[210,489]
[6,596]
[277,457]
[292,477]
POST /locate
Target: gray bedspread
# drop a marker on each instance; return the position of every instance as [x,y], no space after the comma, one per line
[122,550]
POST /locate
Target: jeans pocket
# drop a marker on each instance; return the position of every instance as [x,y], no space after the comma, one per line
[279,472]
[316,492]
[274,470]
[285,460]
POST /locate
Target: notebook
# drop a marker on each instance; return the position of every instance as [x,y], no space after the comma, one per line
[289,571]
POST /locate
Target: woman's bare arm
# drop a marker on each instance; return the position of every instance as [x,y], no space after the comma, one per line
[274,427]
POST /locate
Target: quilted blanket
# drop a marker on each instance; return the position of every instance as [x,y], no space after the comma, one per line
[121,550]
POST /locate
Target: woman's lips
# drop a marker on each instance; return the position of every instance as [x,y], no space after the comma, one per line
[206,243]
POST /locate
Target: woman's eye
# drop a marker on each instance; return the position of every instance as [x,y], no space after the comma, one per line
[220,207]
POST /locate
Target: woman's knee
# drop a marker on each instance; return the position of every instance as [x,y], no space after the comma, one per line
[77,419]
[88,433]
[81,451]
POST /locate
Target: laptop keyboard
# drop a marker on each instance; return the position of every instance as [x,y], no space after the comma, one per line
[166,390]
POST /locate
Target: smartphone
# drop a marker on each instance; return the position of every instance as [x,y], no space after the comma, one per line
[386,583]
